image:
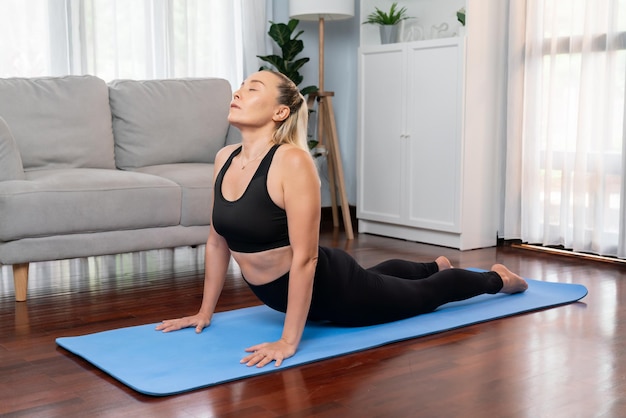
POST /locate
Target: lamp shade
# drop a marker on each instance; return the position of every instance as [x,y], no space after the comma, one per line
[327,9]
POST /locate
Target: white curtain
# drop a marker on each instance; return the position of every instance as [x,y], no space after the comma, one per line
[135,39]
[564,181]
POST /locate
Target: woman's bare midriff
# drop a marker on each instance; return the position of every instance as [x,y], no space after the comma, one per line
[265,266]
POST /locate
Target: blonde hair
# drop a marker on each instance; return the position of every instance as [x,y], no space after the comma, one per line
[292,130]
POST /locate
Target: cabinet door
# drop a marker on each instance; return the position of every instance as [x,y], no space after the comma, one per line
[381,145]
[434,143]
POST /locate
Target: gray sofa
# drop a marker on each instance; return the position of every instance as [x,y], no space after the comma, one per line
[89,168]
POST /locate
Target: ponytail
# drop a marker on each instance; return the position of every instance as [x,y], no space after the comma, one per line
[292,130]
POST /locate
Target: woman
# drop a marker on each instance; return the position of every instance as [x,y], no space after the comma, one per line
[266,214]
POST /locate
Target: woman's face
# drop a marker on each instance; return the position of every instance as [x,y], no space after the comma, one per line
[255,103]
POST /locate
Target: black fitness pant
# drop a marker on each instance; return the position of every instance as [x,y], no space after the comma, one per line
[347,294]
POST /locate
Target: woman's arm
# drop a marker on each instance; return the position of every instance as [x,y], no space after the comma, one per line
[217,258]
[216,264]
[301,200]
[302,203]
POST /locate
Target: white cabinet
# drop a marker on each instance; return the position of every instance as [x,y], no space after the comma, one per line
[410,123]
[425,171]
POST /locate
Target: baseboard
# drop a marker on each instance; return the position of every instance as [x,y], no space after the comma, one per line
[569,253]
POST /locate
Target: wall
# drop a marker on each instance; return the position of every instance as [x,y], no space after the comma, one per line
[341,39]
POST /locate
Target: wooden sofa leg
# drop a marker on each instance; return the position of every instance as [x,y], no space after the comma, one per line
[20,278]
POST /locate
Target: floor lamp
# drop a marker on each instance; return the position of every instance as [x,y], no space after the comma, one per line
[321,10]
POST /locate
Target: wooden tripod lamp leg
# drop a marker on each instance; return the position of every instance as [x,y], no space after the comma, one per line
[333,188]
[323,134]
[334,156]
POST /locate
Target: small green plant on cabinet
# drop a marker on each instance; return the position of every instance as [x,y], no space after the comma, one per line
[290,47]
[393,17]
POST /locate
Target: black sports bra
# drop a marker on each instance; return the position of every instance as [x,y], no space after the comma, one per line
[252,223]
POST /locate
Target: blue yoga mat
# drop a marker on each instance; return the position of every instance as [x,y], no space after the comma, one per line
[159,364]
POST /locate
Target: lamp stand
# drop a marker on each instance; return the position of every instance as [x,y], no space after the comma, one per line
[327,130]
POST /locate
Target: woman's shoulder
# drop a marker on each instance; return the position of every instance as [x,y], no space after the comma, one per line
[292,151]
[229,149]
[225,152]
[289,155]
[292,159]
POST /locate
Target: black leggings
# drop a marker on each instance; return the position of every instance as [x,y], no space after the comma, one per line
[347,294]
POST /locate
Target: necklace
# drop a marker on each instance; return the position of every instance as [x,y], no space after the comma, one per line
[244,165]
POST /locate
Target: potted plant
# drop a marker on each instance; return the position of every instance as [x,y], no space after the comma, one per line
[387,22]
[290,47]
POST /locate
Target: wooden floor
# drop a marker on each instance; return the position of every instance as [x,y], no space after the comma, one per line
[568,361]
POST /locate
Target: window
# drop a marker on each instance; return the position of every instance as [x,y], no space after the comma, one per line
[574,93]
[137,39]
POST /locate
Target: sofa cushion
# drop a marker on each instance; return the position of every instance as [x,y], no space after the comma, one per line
[59,122]
[10,160]
[159,122]
[71,201]
[196,181]
[59,247]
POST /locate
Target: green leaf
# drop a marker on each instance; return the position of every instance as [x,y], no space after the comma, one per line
[280,33]
[292,48]
[292,25]
[296,65]
[275,60]
[308,90]
[461,17]
[298,34]
[294,76]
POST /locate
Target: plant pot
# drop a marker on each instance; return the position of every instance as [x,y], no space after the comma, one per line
[388,34]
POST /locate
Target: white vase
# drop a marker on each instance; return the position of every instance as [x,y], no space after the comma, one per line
[388,34]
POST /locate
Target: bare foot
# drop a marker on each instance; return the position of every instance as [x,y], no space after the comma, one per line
[512,282]
[443,263]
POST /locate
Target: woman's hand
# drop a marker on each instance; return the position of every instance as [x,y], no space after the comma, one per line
[198,321]
[265,353]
